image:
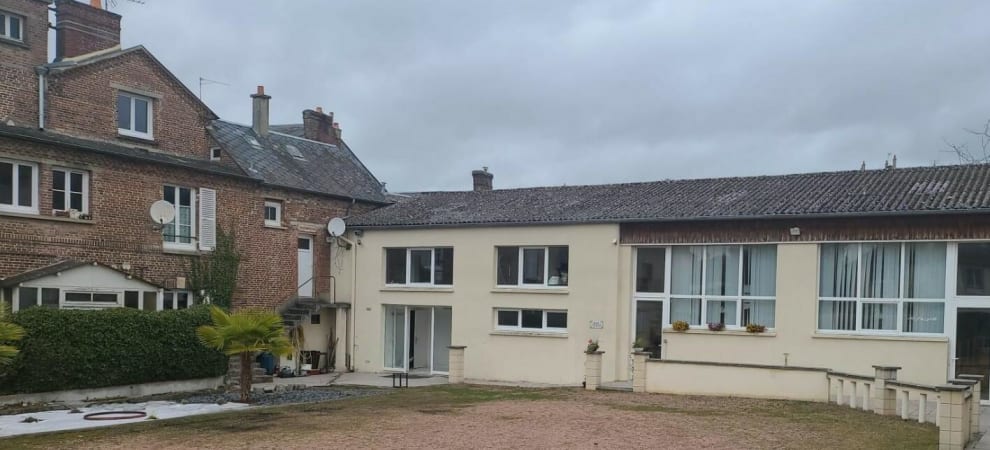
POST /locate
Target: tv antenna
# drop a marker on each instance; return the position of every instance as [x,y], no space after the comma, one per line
[107,4]
[206,82]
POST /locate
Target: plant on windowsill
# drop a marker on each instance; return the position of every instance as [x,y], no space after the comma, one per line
[638,345]
[592,346]
[755,328]
[716,326]
[680,325]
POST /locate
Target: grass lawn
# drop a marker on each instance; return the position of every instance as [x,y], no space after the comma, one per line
[490,417]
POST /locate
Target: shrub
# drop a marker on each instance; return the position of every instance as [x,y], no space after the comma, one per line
[756,328]
[680,325]
[74,349]
[592,346]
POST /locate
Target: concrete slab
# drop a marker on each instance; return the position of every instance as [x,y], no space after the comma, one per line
[382,379]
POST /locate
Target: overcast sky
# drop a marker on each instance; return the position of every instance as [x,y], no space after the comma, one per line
[589,91]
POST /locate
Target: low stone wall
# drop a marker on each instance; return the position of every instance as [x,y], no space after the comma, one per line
[130,391]
[709,378]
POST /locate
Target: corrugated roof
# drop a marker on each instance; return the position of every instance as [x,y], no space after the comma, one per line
[940,189]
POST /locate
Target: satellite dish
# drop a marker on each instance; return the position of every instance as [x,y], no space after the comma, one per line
[162,212]
[336,227]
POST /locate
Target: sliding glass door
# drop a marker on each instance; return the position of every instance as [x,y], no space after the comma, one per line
[395,338]
[416,338]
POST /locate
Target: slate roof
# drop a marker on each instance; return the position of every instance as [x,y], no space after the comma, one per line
[323,168]
[917,190]
[61,266]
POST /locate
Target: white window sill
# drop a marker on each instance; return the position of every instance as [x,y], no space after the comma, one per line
[89,305]
[275,226]
[135,135]
[36,216]
[176,250]
[880,337]
[547,334]
[530,290]
[417,289]
[727,332]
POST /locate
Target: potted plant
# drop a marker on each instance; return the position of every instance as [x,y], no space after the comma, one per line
[680,325]
[716,326]
[639,344]
[756,328]
[592,346]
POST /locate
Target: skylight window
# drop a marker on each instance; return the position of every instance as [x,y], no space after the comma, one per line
[294,151]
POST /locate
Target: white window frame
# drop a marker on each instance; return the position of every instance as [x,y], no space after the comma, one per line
[151,116]
[520,328]
[6,17]
[90,304]
[193,224]
[521,269]
[68,186]
[35,181]
[900,300]
[175,292]
[215,153]
[277,205]
[433,267]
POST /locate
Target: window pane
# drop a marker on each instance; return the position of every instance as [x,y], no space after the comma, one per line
[58,180]
[123,112]
[685,270]
[759,271]
[395,266]
[533,265]
[140,115]
[836,315]
[28,298]
[838,271]
[443,266]
[182,300]
[169,195]
[881,270]
[759,312]
[924,317]
[131,299]
[721,311]
[924,268]
[508,318]
[879,316]
[302,243]
[270,214]
[78,297]
[532,318]
[686,309]
[420,266]
[650,268]
[722,271]
[58,200]
[974,269]
[649,325]
[558,266]
[185,195]
[556,319]
[508,265]
[168,301]
[6,183]
[49,297]
[3,25]
[15,27]
[105,298]
[76,201]
[150,301]
[25,185]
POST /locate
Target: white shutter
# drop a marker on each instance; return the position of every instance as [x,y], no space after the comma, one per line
[207,219]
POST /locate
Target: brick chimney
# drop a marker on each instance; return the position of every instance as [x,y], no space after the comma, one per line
[482,179]
[259,112]
[319,126]
[81,29]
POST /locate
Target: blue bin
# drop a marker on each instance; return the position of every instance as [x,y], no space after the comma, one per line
[267,361]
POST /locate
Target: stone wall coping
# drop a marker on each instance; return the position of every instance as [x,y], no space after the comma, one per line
[457,347]
[905,384]
[887,367]
[750,366]
[963,382]
[951,387]
[969,377]
[851,375]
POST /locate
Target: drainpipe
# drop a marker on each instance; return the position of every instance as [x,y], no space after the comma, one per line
[353,315]
[42,87]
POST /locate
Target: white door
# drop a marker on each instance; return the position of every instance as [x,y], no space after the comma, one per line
[305,280]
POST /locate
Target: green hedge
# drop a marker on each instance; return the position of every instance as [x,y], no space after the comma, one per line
[73,349]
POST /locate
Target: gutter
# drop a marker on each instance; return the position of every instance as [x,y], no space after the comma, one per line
[42,88]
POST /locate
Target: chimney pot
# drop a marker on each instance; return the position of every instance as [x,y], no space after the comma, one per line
[98,4]
[482,179]
[319,109]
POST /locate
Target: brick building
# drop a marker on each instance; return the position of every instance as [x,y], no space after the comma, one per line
[90,139]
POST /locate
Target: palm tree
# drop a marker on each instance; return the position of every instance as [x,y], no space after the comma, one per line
[245,333]
[9,333]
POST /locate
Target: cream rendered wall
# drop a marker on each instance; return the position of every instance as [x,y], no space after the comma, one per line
[758,382]
[924,360]
[592,294]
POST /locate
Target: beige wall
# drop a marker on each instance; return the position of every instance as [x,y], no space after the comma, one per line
[591,295]
[759,382]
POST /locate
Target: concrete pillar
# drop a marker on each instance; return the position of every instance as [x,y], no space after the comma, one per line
[455,373]
[954,421]
[977,395]
[593,370]
[639,371]
[884,398]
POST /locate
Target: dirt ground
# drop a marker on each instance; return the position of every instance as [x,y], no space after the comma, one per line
[489,417]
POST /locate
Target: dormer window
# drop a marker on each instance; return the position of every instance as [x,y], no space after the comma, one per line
[134,115]
[10,26]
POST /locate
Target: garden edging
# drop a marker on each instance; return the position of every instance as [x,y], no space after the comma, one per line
[128,391]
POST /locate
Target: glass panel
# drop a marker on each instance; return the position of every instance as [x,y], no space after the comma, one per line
[532,318]
[49,297]
[76,181]
[508,266]
[15,28]
[838,270]
[974,270]
[270,214]
[879,316]
[649,325]
[123,112]
[650,268]
[185,196]
[58,200]
[58,180]
[181,300]
[105,298]
[168,230]
[76,201]
[973,344]
[686,309]
[3,25]
[533,265]
[924,270]
[168,301]
[140,115]
[722,271]
[558,266]
[721,311]
[443,266]
[184,230]
[395,266]
[395,340]
[420,266]
[881,270]
[837,315]
[685,270]
[441,339]
[28,298]
[78,297]
[759,312]
[6,183]
[302,243]
[25,185]
[131,299]
[556,319]
[759,271]
[150,301]
[508,318]
[924,317]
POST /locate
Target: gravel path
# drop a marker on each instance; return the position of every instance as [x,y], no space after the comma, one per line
[282,398]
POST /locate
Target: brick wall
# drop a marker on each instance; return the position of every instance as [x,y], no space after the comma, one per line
[18,81]
[81,29]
